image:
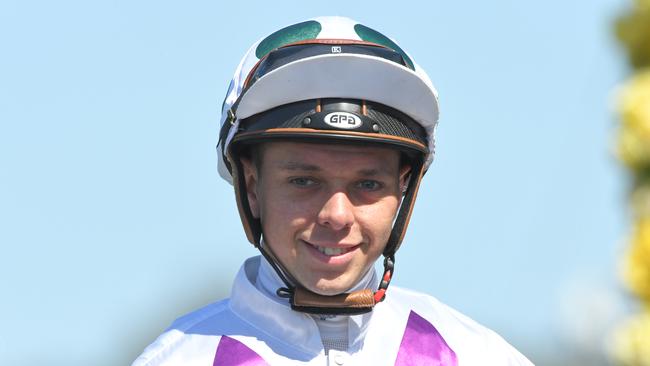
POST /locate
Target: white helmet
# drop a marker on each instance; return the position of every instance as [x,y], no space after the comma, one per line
[329,79]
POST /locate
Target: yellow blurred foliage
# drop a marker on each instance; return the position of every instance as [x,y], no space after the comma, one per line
[637,270]
[634,108]
[632,338]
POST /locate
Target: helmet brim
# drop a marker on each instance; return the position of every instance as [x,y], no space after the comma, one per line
[343,76]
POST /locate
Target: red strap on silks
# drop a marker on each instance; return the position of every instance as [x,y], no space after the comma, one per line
[381,293]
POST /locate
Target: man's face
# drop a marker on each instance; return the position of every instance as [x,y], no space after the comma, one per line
[326,210]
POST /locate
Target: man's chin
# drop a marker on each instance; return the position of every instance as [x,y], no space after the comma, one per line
[329,289]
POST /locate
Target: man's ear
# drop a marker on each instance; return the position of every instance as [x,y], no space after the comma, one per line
[404,177]
[251,175]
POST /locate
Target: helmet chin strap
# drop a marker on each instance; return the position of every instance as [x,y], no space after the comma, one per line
[306,301]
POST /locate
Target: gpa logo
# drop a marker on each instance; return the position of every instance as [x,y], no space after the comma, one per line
[343,120]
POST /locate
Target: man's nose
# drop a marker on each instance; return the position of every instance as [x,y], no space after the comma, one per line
[338,212]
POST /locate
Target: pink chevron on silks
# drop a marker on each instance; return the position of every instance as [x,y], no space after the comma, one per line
[232,352]
[423,345]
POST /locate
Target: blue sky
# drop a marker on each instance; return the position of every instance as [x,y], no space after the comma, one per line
[113,220]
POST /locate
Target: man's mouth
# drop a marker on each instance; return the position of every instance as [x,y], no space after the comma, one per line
[330,252]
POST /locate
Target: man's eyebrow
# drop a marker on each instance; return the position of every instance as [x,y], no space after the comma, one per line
[297,166]
[374,172]
[294,165]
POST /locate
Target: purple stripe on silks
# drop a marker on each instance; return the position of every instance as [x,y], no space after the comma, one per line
[232,352]
[423,345]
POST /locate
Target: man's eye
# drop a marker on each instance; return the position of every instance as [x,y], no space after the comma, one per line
[369,185]
[302,182]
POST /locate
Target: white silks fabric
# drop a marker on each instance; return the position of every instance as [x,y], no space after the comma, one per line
[255,327]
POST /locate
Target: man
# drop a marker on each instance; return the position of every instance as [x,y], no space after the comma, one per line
[327,130]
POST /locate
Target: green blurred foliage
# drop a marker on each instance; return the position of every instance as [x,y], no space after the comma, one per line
[633,30]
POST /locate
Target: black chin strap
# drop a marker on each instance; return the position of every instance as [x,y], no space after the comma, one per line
[282,272]
[304,300]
